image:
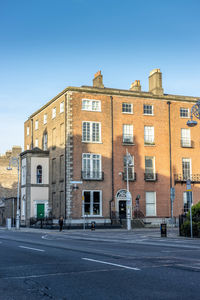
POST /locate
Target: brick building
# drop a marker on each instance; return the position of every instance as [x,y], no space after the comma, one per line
[87,131]
[8,184]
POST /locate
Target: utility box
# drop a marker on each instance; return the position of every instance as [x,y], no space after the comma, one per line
[8,223]
[163,230]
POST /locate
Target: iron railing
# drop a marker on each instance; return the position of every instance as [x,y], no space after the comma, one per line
[150,176]
[92,175]
[185,143]
[181,178]
[131,177]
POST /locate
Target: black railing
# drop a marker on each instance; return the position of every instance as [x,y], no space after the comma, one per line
[128,140]
[131,177]
[187,143]
[92,175]
[150,176]
[180,178]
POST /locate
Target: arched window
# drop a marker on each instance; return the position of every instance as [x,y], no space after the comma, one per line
[39,174]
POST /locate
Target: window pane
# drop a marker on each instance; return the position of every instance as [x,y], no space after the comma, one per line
[150,204]
[148,109]
[149,165]
[185,137]
[148,134]
[95,132]
[87,200]
[128,133]
[96,203]
[186,168]
[184,112]
[39,174]
[127,108]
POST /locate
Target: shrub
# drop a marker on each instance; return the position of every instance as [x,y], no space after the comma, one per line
[185,227]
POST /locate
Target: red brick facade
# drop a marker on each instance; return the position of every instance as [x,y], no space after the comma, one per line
[165,116]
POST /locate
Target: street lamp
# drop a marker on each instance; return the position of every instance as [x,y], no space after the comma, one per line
[129,163]
[195,111]
[14,161]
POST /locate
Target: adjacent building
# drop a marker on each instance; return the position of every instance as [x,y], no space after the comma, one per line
[8,183]
[83,135]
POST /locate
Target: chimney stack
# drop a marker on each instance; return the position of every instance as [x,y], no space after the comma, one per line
[155,82]
[135,86]
[98,80]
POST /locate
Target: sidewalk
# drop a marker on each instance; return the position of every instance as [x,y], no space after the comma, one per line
[144,232]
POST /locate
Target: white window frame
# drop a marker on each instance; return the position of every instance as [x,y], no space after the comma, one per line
[148,169]
[36,143]
[88,166]
[186,160]
[91,204]
[151,204]
[45,119]
[148,110]
[28,131]
[124,108]
[186,204]
[27,147]
[128,133]
[89,135]
[36,124]
[183,113]
[61,107]
[149,136]
[54,113]
[89,105]
[185,137]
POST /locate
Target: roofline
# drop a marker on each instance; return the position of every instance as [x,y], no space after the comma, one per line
[116,92]
[46,152]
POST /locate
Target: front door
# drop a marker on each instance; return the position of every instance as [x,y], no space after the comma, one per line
[40,211]
[122,209]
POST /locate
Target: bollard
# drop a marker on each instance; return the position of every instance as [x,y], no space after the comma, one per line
[93,226]
[163,230]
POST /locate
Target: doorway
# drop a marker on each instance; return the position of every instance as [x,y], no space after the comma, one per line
[40,211]
[122,209]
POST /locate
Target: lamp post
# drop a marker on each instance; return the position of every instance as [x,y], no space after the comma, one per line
[14,161]
[129,163]
[195,111]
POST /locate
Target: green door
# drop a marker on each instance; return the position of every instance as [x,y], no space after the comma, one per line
[40,211]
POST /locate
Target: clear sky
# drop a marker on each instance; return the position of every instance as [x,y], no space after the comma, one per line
[47,45]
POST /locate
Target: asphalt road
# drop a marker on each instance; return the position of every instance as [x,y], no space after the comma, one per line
[42,264]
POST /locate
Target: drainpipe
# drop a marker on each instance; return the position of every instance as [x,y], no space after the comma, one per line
[112,157]
[170,154]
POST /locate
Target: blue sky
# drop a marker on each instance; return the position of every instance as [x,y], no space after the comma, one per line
[47,45]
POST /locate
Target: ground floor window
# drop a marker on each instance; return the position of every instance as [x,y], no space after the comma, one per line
[186,201]
[150,204]
[92,203]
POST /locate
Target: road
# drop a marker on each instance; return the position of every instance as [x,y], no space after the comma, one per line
[100,264]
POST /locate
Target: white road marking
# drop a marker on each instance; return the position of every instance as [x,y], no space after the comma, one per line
[108,263]
[35,249]
[53,274]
